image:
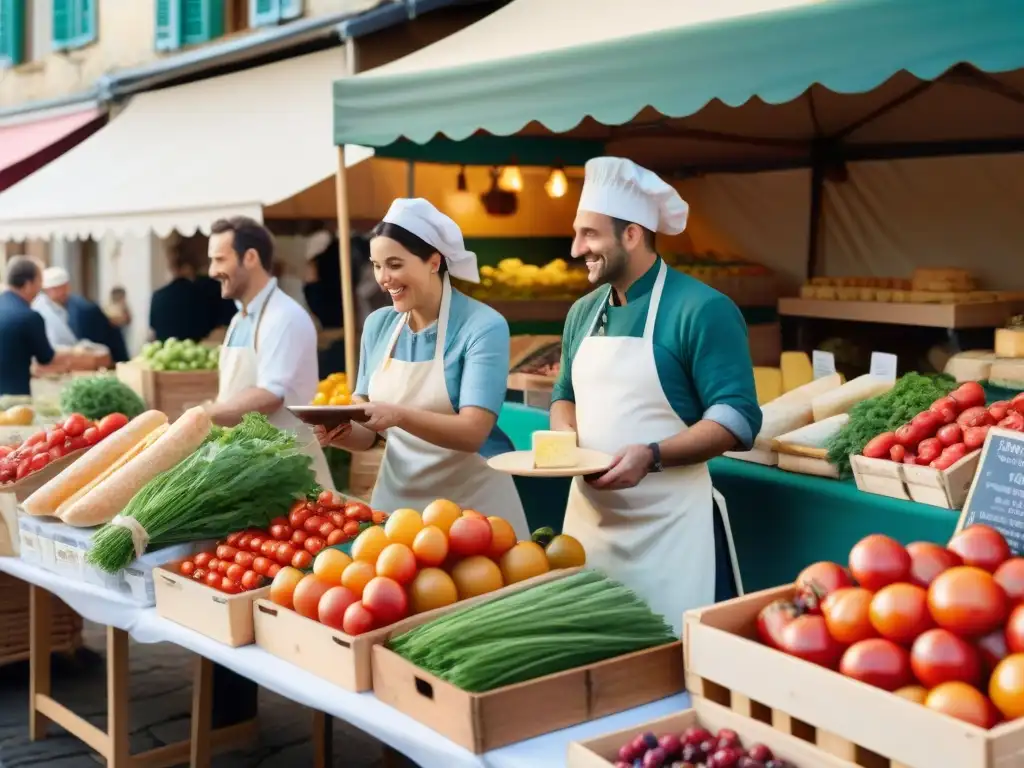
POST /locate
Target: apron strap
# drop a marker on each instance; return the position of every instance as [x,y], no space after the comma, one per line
[259,321]
[652,308]
[605,299]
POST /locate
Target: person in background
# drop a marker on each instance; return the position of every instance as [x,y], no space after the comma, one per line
[23,331]
[219,311]
[178,309]
[655,371]
[322,287]
[88,321]
[51,304]
[117,309]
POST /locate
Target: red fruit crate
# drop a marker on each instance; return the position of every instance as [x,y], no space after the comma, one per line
[845,718]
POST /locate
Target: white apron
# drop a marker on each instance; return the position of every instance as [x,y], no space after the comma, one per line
[238,372]
[414,472]
[658,537]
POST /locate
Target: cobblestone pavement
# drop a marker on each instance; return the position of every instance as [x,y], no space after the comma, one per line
[161,698]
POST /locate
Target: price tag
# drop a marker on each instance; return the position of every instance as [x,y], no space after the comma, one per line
[883,365]
[823,363]
[996,497]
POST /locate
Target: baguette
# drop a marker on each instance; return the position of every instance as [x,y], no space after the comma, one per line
[91,465]
[109,497]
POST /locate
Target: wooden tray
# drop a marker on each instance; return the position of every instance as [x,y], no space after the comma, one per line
[946,488]
[28,485]
[521,463]
[330,416]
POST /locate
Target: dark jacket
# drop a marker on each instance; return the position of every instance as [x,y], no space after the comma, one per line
[88,321]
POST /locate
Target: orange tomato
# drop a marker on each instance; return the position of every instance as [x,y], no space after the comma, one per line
[432,588]
[846,614]
[962,701]
[329,565]
[441,513]
[396,561]
[564,551]
[1006,688]
[503,537]
[403,525]
[914,693]
[524,561]
[430,546]
[369,544]
[476,575]
[307,596]
[899,612]
[283,587]
[357,575]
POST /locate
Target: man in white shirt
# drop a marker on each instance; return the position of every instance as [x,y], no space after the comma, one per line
[51,303]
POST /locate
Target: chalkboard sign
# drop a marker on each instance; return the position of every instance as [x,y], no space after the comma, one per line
[996,497]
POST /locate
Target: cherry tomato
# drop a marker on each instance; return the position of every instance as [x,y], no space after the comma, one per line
[1010,576]
[928,560]
[846,614]
[981,546]
[899,612]
[187,568]
[968,395]
[273,570]
[992,649]
[326,530]
[819,580]
[261,565]
[312,524]
[338,518]
[235,572]
[202,559]
[772,619]
[223,566]
[964,702]
[213,579]
[285,553]
[281,532]
[251,580]
[967,601]
[280,520]
[878,662]
[91,436]
[111,423]
[807,638]
[298,516]
[351,528]
[199,574]
[256,543]
[938,656]
[213,564]
[233,538]
[226,552]
[877,560]
[269,548]
[1014,630]
[314,544]
[299,538]
[229,586]
[244,541]
[337,536]
[326,499]
[75,425]
[245,559]
[39,461]
[999,409]
[302,560]
[56,437]
[951,434]
[1006,687]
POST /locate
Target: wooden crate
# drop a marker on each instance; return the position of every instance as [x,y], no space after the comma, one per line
[843,717]
[65,630]
[172,392]
[946,488]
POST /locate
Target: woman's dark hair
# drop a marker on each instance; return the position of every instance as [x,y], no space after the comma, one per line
[414,244]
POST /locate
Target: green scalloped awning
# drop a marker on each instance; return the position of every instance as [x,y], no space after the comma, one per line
[557,62]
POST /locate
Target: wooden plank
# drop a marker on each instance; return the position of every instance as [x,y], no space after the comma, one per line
[980,315]
[77,726]
[40,616]
[118,730]
[202,713]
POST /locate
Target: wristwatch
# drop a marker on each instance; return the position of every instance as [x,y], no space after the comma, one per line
[656,465]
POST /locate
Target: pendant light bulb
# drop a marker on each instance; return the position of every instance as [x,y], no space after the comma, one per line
[557,184]
[511,179]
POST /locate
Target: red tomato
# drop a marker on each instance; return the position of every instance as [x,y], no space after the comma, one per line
[235,572]
[357,620]
[269,548]
[967,601]
[233,538]
[314,544]
[199,574]
[312,524]
[285,553]
[351,528]
[1010,576]
[92,436]
[281,532]
[111,423]
[228,586]
[951,434]
[1006,687]
[223,566]
[469,536]
[992,649]
[877,560]
[251,580]
[302,560]
[326,529]
[307,596]
[273,570]
[279,520]
[974,437]
[333,605]
[202,559]
[298,516]
[999,409]
[877,662]
[846,614]
[1014,630]
[56,453]
[981,546]
[337,536]
[56,438]
[39,461]
[386,600]
[338,518]
[974,417]
[938,656]
[213,579]
[899,612]
[244,541]
[226,552]
[356,510]
[928,560]
[261,565]
[187,568]
[968,395]
[299,538]
[214,564]
[945,403]
[75,425]
[245,559]
[326,499]
[822,579]
[773,618]
[256,543]
[964,702]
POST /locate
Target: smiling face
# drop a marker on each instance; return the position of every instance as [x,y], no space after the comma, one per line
[597,244]
[405,276]
[227,268]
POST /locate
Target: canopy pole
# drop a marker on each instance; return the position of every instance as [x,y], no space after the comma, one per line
[410,179]
[348,300]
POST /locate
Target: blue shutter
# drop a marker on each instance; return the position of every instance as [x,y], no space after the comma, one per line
[291,9]
[12,32]
[86,12]
[202,20]
[263,13]
[168,25]
[63,24]
[74,23]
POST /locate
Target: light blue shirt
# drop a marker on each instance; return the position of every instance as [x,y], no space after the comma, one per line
[476,357]
[245,326]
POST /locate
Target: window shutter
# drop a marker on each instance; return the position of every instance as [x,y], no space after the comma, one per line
[63,24]
[202,20]
[291,9]
[86,22]
[168,25]
[12,32]
[264,12]
[74,23]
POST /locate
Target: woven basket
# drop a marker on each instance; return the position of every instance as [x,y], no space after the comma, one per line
[65,627]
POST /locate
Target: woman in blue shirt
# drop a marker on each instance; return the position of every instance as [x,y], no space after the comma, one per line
[433,371]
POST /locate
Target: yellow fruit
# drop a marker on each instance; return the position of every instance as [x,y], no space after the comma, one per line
[329,565]
[441,513]
[325,387]
[369,544]
[524,561]
[432,588]
[320,399]
[503,537]
[476,575]
[403,525]
[339,400]
[357,576]
[566,552]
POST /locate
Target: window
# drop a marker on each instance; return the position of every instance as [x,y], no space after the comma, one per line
[74,23]
[188,22]
[12,32]
[266,12]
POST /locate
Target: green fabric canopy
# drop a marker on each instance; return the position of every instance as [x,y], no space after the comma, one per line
[559,61]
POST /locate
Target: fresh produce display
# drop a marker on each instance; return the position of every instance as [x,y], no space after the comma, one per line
[238,478]
[512,279]
[912,394]
[952,427]
[414,563]
[334,390]
[177,355]
[696,747]
[562,624]
[97,396]
[45,446]
[942,626]
[17,416]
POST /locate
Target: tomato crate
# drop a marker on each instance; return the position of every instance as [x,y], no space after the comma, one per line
[946,488]
[845,718]
[602,751]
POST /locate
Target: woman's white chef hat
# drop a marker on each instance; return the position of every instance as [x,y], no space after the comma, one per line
[617,187]
[433,227]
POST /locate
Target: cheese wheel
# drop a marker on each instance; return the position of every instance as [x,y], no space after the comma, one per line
[91,465]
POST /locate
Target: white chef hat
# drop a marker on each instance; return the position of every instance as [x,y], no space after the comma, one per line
[317,243]
[55,277]
[434,228]
[617,187]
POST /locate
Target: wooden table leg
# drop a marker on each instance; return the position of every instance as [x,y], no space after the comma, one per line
[40,622]
[117,699]
[323,740]
[202,713]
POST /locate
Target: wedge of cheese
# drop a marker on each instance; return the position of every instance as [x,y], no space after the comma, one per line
[768,383]
[973,365]
[811,440]
[1010,342]
[554,450]
[792,410]
[796,370]
[852,392]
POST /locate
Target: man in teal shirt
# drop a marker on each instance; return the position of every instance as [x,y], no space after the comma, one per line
[656,371]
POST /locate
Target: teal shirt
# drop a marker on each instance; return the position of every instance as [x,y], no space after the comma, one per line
[476,357]
[701,350]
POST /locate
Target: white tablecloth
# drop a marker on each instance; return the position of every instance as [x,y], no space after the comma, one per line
[362,710]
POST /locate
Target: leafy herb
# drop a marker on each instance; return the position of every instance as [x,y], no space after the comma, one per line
[96,396]
[912,394]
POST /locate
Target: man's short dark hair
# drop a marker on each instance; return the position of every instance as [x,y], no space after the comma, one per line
[619,228]
[21,271]
[248,233]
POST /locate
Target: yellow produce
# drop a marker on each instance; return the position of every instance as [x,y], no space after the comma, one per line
[334,390]
[369,544]
[442,513]
[524,561]
[564,551]
[476,575]
[432,588]
[403,525]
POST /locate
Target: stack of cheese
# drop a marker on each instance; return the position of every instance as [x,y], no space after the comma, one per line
[794,371]
[1003,366]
